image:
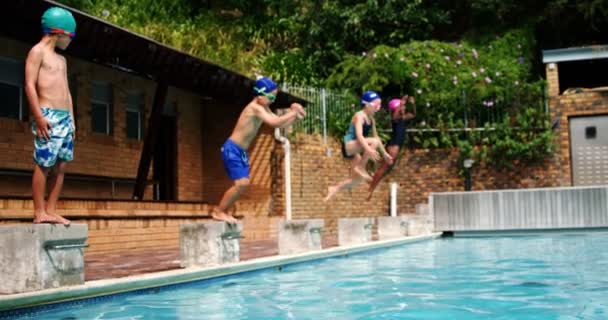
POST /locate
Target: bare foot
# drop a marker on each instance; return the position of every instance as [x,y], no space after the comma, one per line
[331,192]
[363,174]
[57,217]
[222,216]
[233,220]
[46,218]
[63,220]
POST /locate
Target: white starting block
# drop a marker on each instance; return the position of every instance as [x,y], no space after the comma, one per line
[392,227]
[41,256]
[297,236]
[353,231]
[209,243]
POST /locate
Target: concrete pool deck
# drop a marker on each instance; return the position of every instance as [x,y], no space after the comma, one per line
[130,263]
[96,288]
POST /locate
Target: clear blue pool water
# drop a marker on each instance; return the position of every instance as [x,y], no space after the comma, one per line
[552,276]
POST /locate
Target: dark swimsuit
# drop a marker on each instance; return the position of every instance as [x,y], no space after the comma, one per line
[398,134]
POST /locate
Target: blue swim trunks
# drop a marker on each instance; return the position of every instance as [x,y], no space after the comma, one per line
[60,145]
[236,161]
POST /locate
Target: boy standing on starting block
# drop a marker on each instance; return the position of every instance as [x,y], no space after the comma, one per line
[46,87]
[234,150]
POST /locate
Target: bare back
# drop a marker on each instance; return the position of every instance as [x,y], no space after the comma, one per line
[247,126]
[52,83]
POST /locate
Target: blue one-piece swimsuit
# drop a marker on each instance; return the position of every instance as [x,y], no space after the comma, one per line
[351,135]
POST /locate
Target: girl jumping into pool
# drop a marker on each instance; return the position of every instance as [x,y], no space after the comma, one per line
[358,146]
[399,116]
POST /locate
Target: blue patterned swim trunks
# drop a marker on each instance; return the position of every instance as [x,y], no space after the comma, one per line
[60,145]
[236,161]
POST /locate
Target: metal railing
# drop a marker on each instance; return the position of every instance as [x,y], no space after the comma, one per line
[324,105]
[329,110]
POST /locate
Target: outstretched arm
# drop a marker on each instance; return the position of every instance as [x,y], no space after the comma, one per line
[385,154]
[412,114]
[275,121]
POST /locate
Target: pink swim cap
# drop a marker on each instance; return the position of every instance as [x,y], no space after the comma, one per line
[394,104]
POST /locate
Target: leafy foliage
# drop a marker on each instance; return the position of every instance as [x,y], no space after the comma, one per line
[461,87]
[302,40]
[324,42]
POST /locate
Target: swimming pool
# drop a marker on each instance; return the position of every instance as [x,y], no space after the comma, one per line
[548,276]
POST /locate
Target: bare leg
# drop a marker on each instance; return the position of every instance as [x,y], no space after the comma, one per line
[356,178]
[360,168]
[38,188]
[393,151]
[228,199]
[376,180]
[56,183]
[349,183]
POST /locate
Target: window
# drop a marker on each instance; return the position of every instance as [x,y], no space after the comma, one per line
[11,89]
[135,115]
[582,74]
[590,132]
[101,107]
[170,109]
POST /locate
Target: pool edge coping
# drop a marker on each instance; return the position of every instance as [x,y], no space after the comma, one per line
[104,287]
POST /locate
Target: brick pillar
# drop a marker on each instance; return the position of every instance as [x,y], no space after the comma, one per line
[552,79]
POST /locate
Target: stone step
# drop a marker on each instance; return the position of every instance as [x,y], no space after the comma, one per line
[27,214]
[9,203]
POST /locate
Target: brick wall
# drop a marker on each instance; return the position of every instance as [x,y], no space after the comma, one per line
[552,73]
[565,107]
[204,125]
[218,121]
[562,108]
[98,154]
[189,141]
[116,226]
[418,173]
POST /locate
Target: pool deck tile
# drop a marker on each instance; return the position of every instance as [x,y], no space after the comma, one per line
[123,264]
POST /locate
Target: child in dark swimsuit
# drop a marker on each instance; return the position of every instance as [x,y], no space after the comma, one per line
[358,146]
[399,116]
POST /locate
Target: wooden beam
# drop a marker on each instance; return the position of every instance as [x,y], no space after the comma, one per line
[147,151]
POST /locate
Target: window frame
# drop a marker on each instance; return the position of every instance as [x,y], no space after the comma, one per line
[109,104]
[139,110]
[18,83]
[108,112]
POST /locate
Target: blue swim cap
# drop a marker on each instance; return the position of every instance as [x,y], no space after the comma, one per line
[264,85]
[368,97]
[58,20]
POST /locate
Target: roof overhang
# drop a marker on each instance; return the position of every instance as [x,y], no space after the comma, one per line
[575,54]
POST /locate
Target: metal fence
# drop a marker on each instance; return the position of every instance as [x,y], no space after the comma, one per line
[324,106]
[545,208]
[329,111]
